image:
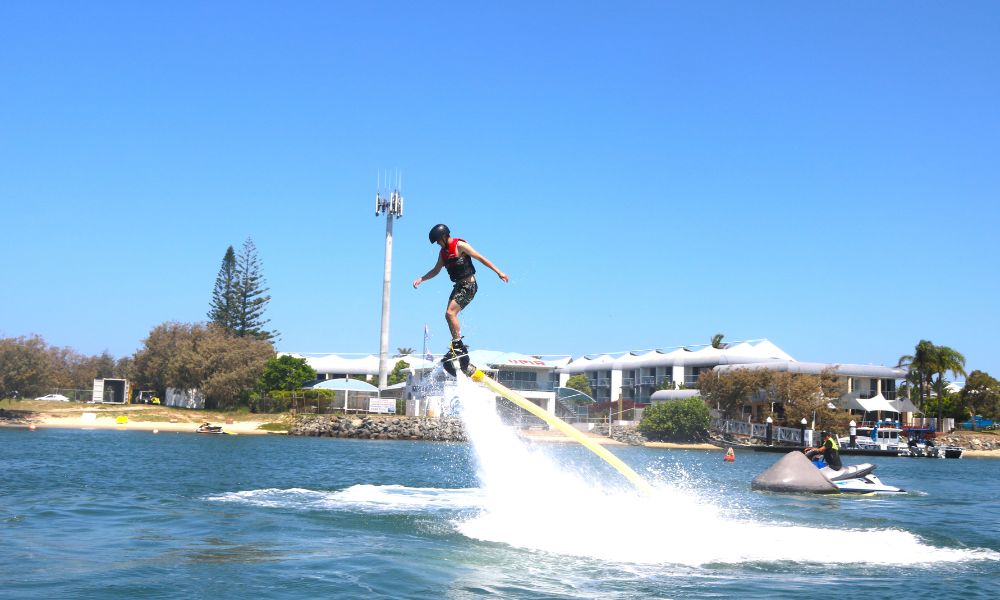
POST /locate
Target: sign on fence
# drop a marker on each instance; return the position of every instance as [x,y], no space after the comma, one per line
[382,405]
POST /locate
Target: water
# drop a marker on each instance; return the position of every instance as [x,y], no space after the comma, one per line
[109,514]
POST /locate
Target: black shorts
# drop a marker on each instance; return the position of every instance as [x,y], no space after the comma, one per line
[464,292]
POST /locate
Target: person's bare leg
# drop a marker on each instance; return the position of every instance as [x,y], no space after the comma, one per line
[451,316]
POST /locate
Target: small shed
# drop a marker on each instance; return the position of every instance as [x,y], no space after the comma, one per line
[110,391]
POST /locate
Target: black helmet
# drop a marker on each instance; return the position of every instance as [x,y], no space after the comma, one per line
[438,231]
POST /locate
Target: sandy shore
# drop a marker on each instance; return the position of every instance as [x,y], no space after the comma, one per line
[97,421]
[981,454]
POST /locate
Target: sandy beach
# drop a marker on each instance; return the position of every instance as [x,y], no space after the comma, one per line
[133,418]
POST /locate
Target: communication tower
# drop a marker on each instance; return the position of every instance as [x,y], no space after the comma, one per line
[391,206]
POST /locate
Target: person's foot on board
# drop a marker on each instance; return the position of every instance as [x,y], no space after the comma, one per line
[457,350]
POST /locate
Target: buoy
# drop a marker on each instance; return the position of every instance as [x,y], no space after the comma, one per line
[156,431]
[730,455]
[31,427]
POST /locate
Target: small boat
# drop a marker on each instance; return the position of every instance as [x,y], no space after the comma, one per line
[206,428]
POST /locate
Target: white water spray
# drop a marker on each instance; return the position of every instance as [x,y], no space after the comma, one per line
[531,501]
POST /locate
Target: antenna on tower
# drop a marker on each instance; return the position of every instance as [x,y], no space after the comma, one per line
[392,203]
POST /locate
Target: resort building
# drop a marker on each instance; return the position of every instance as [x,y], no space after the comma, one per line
[643,377]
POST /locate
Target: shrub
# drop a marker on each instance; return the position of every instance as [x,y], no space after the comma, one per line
[676,420]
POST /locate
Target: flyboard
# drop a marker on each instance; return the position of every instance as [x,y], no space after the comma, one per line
[572,432]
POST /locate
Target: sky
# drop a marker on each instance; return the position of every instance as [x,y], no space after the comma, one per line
[648,174]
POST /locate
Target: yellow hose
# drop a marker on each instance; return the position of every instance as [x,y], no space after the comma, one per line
[565,428]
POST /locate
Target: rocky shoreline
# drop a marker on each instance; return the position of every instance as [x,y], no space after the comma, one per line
[970,441]
[367,427]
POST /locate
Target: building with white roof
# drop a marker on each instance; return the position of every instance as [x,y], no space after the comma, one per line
[634,376]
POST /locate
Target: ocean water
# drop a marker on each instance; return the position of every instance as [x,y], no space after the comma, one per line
[119,514]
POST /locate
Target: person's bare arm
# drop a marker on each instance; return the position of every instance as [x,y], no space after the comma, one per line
[429,274]
[470,251]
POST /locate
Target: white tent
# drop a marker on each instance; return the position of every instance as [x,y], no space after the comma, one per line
[877,403]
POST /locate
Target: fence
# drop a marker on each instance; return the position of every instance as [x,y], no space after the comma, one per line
[320,405]
[786,435]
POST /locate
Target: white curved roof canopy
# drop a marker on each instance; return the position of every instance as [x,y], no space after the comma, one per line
[813,368]
[665,395]
[334,363]
[740,353]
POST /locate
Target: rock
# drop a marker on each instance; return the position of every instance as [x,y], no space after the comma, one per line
[373,427]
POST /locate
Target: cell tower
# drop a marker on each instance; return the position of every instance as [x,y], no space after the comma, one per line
[391,207]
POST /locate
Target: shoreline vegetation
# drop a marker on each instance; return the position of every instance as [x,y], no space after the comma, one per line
[162,419]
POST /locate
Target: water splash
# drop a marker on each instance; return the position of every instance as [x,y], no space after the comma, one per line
[362,498]
[531,501]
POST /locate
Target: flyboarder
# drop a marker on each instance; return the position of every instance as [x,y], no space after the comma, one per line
[456,256]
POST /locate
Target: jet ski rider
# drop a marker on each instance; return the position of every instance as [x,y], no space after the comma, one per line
[830,450]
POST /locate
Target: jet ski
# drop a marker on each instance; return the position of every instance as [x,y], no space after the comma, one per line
[847,472]
[858,479]
[866,484]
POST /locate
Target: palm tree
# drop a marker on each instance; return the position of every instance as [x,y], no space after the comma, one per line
[919,366]
[946,360]
[403,351]
[717,341]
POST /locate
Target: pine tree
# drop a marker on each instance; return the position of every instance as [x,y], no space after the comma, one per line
[223,307]
[251,295]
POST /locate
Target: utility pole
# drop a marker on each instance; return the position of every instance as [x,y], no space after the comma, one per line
[391,207]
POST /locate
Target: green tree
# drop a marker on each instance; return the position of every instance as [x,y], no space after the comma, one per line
[981,395]
[717,341]
[728,391]
[684,420]
[398,373]
[223,309]
[226,368]
[803,395]
[25,367]
[580,383]
[920,369]
[251,295]
[946,360]
[285,372]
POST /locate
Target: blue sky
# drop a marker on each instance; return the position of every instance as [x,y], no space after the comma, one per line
[648,173]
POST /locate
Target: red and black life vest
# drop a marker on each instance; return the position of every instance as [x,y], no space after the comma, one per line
[459,267]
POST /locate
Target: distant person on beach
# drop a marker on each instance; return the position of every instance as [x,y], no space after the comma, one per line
[830,450]
[456,257]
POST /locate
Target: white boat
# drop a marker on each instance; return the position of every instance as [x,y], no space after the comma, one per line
[881,437]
